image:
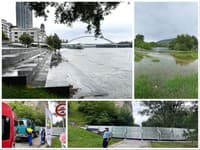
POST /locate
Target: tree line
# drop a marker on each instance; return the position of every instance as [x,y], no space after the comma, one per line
[105,113]
[182,42]
[26,111]
[53,41]
[140,43]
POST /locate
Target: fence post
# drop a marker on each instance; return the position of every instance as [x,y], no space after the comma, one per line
[141,129]
[126,131]
[159,133]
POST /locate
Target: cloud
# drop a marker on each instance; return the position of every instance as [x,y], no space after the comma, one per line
[163,20]
[116,26]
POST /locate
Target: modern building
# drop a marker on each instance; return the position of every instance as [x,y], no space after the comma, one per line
[24,18]
[6,28]
[35,33]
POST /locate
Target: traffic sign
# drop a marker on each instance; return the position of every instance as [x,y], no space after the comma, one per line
[61,109]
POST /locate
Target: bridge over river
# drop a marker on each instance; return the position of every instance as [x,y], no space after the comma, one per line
[143,133]
[91,42]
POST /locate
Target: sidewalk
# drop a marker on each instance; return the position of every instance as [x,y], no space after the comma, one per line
[131,144]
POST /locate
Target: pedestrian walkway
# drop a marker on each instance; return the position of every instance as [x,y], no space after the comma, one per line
[131,144]
[36,144]
[40,78]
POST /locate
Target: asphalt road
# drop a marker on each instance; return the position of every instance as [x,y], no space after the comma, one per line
[24,144]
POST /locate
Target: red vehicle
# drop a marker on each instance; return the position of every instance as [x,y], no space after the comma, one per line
[8,128]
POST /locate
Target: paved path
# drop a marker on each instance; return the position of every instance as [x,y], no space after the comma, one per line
[131,144]
[40,78]
[36,144]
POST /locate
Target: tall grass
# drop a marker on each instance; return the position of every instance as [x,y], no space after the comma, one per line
[175,87]
[23,92]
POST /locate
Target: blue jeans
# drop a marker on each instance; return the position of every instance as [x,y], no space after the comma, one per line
[105,143]
[30,139]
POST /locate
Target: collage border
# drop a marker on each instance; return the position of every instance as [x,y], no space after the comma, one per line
[132,2]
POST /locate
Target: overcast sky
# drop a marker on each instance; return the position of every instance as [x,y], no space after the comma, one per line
[116,27]
[138,107]
[164,20]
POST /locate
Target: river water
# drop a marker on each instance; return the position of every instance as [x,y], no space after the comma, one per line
[167,67]
[96,72]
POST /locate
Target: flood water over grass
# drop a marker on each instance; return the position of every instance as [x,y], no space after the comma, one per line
[166,74]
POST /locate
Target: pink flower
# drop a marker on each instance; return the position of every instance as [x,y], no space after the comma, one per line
[63,137]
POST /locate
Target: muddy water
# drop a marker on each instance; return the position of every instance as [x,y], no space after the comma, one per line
[96,72]
[166,68]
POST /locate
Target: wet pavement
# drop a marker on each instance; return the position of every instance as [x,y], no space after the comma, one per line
[95,72]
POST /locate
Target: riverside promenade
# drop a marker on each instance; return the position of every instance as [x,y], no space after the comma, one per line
[33,63]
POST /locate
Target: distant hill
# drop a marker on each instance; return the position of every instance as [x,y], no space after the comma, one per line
[166,41]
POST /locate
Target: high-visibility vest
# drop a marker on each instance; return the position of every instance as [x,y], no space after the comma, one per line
[29,130]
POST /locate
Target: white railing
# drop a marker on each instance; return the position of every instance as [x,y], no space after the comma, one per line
[143,133]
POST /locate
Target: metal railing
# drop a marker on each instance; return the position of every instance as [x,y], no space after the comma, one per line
[143,133]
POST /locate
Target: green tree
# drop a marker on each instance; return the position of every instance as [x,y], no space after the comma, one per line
[26,39]
[105,113]
[191,122]
[25,111]
[169,114]
[54,41]
[91,13]
[184,42]
[140,43]
[4,36]
[139,37]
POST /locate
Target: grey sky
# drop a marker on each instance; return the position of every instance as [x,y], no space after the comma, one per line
[117,26]
[138,107]
[164,20]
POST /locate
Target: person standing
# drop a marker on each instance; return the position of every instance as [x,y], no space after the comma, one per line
[106,137]
[42,136]
[30,138]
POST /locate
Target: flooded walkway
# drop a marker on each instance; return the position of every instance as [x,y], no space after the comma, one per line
[95,72]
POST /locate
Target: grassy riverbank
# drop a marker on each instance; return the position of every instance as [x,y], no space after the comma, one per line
[81,138]
[184,144]
[175,87]
[184,57]
[140,55]
[23,92]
